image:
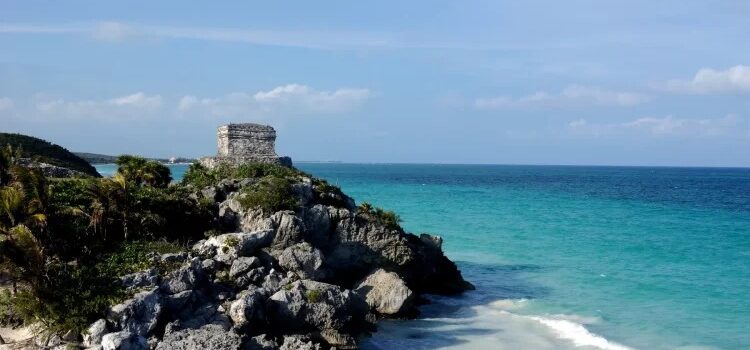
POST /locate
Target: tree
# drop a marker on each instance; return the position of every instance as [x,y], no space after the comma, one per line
[141,171]
[23,201]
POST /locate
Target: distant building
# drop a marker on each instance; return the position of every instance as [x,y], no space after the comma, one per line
[245,143]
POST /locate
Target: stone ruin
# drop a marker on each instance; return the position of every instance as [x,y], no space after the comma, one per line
[245,143]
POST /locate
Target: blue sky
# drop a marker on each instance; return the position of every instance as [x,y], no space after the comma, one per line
[512,82]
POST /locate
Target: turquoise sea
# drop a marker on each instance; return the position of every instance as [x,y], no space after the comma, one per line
[571,257]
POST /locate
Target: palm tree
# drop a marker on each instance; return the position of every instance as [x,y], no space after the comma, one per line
[142,171]
[23,202]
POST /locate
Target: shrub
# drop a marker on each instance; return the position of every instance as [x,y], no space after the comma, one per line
[199,176]
[386,217]
[328,194]
[270,194]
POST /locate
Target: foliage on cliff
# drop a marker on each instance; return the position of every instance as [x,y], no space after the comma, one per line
[63,242]
[43,151]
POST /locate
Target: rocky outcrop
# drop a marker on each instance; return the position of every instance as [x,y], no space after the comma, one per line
[386,293]
[312,278]
[207,337]
[50,170]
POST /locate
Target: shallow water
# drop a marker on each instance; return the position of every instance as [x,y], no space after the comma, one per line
[572,257]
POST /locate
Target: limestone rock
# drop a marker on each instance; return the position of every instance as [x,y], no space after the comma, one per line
[146,278]
[247,309]
[208,337]
[138,315]
[307,303]
[243,265]
[297,342]
[305,260]
[385,292]
[183,279]
[93,335]
[230,246]
[124,341]
[261,342]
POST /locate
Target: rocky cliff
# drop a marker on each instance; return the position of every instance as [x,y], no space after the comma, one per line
[315,277]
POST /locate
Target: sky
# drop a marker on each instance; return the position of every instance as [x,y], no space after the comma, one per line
[492,82]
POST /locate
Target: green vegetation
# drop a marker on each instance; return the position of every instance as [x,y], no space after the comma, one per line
[386,217]
[270,194]
[63,242]
[43,151]
[313,295]
[199,176]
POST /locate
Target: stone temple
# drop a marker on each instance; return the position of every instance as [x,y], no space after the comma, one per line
[245,143]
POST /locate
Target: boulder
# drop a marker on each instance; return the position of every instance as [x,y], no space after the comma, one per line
[243,265]
[183,279]
[304,191]
[138,315]
[261,342]
[208,337]
[229,214]
[298,342]
[304,260]
[202,314]
[93,335]
[254,276]
[386,293]
[287,228]
[247,309]
[317,222]
[305,304]
[337,339]
[230,246]
[140,279]
[174,258]
[124,341]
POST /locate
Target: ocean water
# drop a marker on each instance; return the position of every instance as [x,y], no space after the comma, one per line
[572,257]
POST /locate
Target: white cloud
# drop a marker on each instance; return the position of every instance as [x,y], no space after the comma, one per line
[291,99]
[709,81]
[665,126]
[127,107]
[112,31]
[6,104]
[571,95]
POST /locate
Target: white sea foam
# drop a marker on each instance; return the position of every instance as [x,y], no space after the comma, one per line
[578,334]
[498,325]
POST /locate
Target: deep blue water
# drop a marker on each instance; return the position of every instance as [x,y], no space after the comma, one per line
[573,257]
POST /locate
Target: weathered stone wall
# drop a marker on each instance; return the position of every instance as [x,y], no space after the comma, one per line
[245,143]
[238,140]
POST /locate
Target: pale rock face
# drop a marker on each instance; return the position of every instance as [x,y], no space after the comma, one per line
[385,292]
[124,341]
[230,246]
[138,315]
[206,337]
[183,279]
[95,332]
[306,303]
[304,260]
[247,308]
